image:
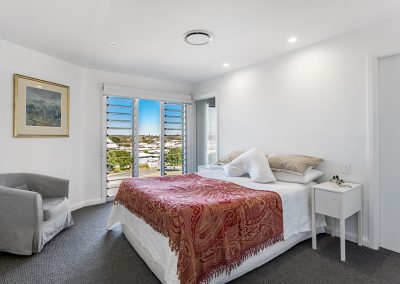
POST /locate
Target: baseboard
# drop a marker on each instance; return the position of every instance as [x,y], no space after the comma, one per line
[86,203]
[352,237]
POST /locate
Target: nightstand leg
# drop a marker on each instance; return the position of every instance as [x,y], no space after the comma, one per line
[313,229]
[360,232]
[333,226]
[343,239]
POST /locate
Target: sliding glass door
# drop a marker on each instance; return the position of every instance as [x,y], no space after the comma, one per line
[144,138]
[206,131]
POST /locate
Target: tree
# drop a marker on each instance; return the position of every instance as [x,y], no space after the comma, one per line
[115,139]
[119,157]
[174,157]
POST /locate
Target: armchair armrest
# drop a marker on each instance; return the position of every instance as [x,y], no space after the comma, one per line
[21,216]
[48,186]
[19,206]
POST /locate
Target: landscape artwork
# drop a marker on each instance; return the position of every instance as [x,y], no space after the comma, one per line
[43,107]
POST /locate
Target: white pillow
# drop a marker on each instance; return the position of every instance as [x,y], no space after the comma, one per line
[252,162]
[309,176]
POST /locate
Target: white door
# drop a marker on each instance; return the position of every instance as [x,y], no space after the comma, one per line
[389,122]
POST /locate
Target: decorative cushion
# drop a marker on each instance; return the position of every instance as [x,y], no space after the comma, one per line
[22,187]
[229,157]
[252,162]
[308,176]
[292,163]
[53,206]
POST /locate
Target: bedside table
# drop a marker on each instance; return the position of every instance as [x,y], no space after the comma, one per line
[338,202]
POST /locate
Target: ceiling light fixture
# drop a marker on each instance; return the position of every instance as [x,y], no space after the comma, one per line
[114,43]
[292,39]
[226,65]
[198,37]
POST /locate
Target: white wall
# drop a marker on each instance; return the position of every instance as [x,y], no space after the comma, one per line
[78,157]
[312,101]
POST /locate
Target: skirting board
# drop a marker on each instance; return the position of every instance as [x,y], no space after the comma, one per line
[351,237]
[86,203]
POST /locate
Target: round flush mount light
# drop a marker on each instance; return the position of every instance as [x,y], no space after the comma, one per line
[226,65]
[198,37]
[292,39]
[114,43]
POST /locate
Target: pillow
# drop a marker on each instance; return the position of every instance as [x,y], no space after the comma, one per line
[295,164]
[252,162]
[309,176]
[229,157]
[23,186]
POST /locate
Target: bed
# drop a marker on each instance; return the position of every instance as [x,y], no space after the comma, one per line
[154,247]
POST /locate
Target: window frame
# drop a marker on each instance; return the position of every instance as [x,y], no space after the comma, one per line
[186,103]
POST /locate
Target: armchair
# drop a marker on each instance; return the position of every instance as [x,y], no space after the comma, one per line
[33,209]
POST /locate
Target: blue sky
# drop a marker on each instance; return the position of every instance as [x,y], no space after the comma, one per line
[149,117]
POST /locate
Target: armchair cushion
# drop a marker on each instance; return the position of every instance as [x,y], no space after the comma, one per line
[23,186]
[52,207]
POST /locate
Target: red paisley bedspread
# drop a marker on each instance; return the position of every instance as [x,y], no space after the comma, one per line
[213,225]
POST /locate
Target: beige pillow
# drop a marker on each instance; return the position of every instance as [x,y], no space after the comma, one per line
[296,164]
[229,157]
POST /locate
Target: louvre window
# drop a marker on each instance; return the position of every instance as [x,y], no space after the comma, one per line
[144,138]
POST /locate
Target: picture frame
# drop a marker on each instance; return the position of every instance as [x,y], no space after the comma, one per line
[41,108]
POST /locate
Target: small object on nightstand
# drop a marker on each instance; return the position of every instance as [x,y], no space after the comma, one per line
[337,201]
[339,182]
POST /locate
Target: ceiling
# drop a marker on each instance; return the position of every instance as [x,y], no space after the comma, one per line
[150,32]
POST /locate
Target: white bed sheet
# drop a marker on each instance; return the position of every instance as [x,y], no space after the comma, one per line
[156,252]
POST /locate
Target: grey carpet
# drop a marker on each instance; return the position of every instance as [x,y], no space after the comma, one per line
[87,253]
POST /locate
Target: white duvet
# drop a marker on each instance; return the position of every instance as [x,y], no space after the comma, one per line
[155,251]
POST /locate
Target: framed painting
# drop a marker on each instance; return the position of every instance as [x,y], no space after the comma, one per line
[41,108]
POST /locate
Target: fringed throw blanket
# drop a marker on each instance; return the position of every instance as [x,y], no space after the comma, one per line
[213,225]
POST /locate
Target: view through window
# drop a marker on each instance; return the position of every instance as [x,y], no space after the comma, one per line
[144,138]
[174,138]
[149,138]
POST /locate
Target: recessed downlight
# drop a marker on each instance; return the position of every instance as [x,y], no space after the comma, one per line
[292,39]
[198,37]
[226,64]
[114,43]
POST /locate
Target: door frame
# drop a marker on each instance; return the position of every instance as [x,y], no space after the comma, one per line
[373,142]
[204,96]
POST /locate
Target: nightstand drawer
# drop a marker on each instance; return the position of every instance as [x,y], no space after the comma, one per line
[328,203]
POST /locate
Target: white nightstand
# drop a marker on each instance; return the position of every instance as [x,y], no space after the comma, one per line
[338,202]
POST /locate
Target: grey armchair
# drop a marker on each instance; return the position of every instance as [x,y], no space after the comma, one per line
[33,209]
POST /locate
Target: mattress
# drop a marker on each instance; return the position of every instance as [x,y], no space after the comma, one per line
[156,252]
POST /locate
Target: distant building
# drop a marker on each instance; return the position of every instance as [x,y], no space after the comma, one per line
[152,160]
[111,144]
